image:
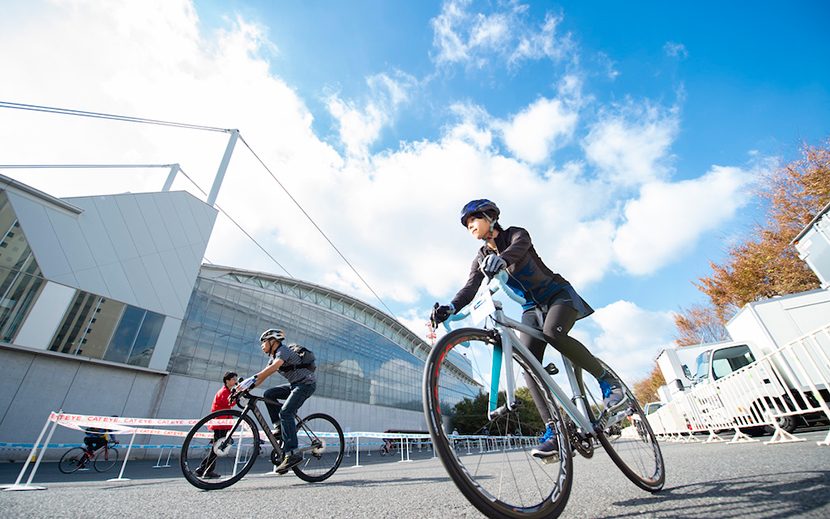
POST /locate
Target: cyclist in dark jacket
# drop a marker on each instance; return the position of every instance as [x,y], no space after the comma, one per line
[512,249]
[302,382]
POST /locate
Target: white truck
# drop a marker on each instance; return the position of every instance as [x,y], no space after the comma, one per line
[761,328]
[758,329]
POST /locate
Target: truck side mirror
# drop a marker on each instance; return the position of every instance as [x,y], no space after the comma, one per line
[686,372]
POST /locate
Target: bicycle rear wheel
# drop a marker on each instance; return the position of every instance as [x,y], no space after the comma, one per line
[72,460]
[321,439]
[105,459]
[211,464]
[631,444]
[490,461]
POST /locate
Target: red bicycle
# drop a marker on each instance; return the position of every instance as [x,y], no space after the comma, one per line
[103,458]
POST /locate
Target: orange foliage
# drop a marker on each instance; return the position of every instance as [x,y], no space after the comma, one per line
[767,265]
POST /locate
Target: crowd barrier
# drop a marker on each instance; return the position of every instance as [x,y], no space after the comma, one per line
[357,443]
[792,381]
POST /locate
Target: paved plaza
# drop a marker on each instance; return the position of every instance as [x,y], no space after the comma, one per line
[717,480]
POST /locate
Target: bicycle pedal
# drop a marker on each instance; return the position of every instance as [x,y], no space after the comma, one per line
[548,460]
[551,369]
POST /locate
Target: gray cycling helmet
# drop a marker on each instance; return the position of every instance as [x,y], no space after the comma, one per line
[272,333]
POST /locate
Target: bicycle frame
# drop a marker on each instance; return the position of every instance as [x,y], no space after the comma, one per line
[576,408]
[504,325]
[252,408]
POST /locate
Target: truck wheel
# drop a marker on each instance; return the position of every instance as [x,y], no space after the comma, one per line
[788,423]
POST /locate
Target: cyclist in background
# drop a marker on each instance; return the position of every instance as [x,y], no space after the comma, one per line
[512,249]
[220,401]
[96,438]
[302,382]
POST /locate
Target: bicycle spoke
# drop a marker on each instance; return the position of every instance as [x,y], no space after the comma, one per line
[210,459]
[635,450]
[498,474]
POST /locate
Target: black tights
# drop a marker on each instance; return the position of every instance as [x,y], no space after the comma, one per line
[558,322]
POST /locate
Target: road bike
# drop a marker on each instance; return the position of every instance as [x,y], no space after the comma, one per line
[211,461]
[103,458]
[508,481]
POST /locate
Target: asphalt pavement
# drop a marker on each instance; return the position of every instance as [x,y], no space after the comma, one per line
[703,480]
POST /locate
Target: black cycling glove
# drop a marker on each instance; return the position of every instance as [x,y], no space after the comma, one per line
[492,264]
[441,313]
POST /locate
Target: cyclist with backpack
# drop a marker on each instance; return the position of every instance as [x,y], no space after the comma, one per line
[511,249]
[296,364]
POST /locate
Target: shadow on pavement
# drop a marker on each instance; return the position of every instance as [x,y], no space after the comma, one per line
[784,494]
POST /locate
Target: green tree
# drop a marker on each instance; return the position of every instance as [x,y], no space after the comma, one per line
[470,415]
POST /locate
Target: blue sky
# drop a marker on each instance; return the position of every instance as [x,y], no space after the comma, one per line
[627,137]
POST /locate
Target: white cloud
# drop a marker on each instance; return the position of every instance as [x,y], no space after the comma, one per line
[532,134]
[361,126]
[675,50]
[628,337]
[630,145]
[476,38]
[394,213]
[543,44]
[668,218]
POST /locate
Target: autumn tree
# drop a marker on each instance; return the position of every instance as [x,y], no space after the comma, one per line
[698,324]
[646,390]
[766,264]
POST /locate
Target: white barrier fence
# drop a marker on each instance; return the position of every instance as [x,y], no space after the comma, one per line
[372,441]
[789,383]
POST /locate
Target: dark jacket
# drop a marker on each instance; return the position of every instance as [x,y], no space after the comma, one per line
[528,275]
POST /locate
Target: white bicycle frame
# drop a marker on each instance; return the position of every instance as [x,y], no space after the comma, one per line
[505,327]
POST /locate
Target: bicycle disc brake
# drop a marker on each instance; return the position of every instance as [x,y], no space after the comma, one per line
[223,447]
[582,444]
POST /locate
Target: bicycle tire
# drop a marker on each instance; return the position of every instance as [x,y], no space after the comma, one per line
[198,444]
[321,463]
[484,481]
[105,459]
[72,460]
[648,476]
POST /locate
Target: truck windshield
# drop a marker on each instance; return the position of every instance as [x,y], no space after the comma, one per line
[730,359]
[702,370]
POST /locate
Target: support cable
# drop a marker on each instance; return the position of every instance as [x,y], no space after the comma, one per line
[237,226]
[158,122]
[310,219]
[113,117]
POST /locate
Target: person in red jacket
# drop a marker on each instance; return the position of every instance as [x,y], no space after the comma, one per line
[220,401]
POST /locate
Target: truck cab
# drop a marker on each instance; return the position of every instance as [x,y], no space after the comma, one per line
[716,363]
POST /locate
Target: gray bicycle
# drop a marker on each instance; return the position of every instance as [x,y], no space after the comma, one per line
[503,479]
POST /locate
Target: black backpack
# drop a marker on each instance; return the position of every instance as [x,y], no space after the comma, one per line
[306,359]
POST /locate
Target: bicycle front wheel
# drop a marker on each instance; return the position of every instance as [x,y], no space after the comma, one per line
[320,439]
[72,460]
[105,459]
[211,460]
[631,443]
[490,460]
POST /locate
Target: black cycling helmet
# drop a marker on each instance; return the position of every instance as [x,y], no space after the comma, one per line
[482,206]
[272,333]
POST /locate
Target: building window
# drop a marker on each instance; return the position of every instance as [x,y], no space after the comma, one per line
[20,277]
[135,337]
